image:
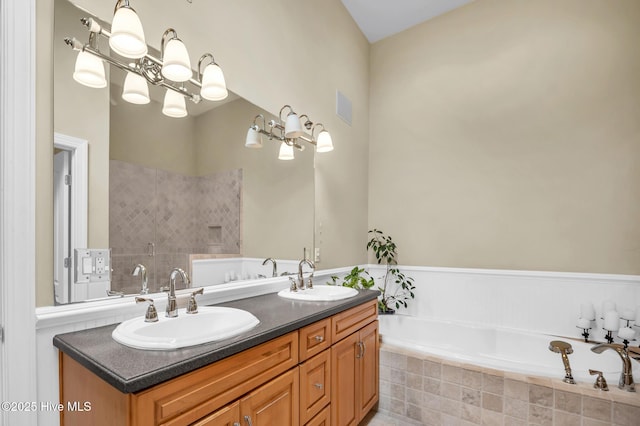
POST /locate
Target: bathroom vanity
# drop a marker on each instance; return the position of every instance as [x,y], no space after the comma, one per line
[306,363]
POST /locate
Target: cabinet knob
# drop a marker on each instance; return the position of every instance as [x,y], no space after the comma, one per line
[248,420]
[319,338]
[318,385]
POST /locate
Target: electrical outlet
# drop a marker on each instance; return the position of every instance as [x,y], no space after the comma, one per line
[316,255]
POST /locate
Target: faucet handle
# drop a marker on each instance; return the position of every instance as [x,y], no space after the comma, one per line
[294,285]
[601,382]
[152,313]
[192,306]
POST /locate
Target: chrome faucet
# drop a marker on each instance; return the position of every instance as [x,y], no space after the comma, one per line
[274,271]
[301,284]
[626,377]
[172,303]
[141,270]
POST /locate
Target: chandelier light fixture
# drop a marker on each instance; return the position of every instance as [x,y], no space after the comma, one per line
[290,134]
[171,71]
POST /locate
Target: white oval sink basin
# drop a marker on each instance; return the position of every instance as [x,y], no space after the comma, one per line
[210,324]
[320,293]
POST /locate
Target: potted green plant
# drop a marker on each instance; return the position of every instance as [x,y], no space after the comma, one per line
[396,287]
[358,278]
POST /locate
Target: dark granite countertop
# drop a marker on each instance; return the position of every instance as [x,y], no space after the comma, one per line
[131,370]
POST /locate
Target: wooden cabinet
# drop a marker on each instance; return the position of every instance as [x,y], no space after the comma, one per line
[354,376]
[275,403]
[323,374]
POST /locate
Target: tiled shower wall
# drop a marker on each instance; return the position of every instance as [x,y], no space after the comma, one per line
[158,218]
[418,389]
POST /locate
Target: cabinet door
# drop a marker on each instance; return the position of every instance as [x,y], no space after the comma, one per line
[344,372]
[368,369]
[226,416]
[275,403]
[315,385]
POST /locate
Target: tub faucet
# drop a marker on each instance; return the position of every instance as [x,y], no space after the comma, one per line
[301,284]
[172,303]
[141,270]
[564,349]
[626,377]
[274,271]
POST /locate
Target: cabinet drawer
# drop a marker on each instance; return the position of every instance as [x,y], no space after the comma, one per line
[190,397]
[315,385]
[322,419]
[347,322]
[315,338]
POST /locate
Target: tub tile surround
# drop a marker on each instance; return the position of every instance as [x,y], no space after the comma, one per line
[421,389]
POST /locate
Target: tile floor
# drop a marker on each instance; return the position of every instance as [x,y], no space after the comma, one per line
[376,418]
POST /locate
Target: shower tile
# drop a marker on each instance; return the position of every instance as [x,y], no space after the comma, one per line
[511,421]
[493,384]
[432,386]
[516,408]
[414,381]
[492,402]
[625,415]
[398,391]
[596,408]
[592,422]
[451,374]
[471,396]
[566,419]
[385,387]
[414,412]
[471,413]
[448,420]
[516,389]
[414,396]
[398,376]
[491,418]
[432,402]
[398,407]
[539,415]
[568,401]
[431,417]
[450,407]
[385,372]
[415,365]
[471,379]
[432,369]
[451,391]
[541,395]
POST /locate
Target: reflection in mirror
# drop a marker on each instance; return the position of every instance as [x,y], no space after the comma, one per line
[171,192]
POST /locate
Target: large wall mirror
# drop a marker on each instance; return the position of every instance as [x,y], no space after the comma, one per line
[162,190]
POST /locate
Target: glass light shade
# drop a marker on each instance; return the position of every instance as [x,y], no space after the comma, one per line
[135,89]
[324,143]
[286,152]
[214,88]
[174,105]
[292,127]
[176,65]
[254,139]
[89,71]
[127,36]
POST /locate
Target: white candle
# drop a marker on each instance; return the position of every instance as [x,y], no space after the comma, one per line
[611,321]
[584,323]
[608,305]
[629,314]
[626,333]
[587,311]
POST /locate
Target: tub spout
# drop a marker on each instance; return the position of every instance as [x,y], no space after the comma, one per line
[564,349]
[626,377]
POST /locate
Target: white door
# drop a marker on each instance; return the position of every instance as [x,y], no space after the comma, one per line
[61,229]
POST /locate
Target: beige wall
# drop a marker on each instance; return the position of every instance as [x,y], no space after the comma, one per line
[163,142]
[273,53]
[277,196]
[506,135]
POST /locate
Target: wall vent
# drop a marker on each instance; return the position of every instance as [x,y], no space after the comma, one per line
[343,107]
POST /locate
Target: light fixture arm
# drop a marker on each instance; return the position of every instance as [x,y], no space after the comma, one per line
[291,111]
[201,60]
[164,39]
